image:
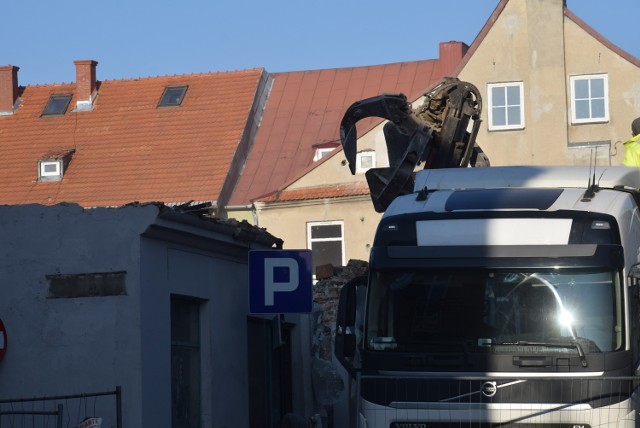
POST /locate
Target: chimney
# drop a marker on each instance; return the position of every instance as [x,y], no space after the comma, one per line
[451,54]
[8,88]
[85,84]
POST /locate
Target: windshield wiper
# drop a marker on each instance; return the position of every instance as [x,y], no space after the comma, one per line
[574,344]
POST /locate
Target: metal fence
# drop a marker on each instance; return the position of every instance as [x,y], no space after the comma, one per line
[63,411]
[483,402]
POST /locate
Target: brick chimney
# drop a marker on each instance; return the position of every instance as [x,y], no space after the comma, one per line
[451,54]
[85,84]
[8,88]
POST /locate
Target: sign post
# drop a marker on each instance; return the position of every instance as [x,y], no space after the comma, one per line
[280,281]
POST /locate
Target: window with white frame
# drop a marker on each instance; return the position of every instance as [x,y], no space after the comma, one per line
[506,106]
[365,161]
[322,152]
[326,241]
[589,98]
[50,169]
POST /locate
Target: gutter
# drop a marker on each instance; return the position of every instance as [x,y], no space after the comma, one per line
[249,207]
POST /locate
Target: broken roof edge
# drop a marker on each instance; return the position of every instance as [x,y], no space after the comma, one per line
[200,215]
[213,204]
[197,216]
[241,231]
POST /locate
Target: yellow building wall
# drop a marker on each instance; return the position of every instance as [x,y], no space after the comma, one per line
[534,43]
[289,222]
[586,55]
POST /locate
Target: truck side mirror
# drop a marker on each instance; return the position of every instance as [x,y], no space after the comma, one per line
[634,275]
[345,341]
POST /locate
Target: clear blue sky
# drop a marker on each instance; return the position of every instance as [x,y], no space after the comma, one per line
[140,38]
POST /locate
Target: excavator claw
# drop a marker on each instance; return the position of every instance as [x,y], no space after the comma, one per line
[393,107]
[436,134]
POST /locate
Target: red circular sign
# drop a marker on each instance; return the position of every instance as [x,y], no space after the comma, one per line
[3,340]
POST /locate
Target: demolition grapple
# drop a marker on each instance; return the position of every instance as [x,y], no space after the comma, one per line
[440,133]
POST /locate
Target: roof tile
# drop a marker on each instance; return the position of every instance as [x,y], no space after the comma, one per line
[305,109]
[127,149]
[323,192]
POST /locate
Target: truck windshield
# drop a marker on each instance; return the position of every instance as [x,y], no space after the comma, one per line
[428,310]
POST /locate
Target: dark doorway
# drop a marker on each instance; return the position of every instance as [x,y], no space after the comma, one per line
[270,388]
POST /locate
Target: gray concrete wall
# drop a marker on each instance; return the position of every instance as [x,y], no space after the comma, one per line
[222,285]
[60,346]
[70,345]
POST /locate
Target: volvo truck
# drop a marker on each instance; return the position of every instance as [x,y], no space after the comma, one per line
[501,296]
[496,297]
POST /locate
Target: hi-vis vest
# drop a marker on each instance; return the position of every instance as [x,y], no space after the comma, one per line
[632,152]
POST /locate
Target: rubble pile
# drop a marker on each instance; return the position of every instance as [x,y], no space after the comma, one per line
[326,293]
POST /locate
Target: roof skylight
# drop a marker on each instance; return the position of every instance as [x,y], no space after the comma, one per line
[57,105]
[172,96]
[51,166]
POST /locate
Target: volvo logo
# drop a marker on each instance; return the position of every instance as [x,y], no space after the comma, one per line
[489,389]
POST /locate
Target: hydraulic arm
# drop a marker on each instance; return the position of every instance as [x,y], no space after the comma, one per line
[440,133]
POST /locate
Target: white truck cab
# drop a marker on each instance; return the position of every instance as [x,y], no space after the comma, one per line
[500,296]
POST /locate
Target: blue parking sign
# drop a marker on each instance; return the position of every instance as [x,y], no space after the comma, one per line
[280,281]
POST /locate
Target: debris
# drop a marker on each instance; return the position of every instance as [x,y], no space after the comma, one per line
[326,293]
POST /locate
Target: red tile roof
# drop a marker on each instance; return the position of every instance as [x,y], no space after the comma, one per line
[127,149]
[324,192]
[305,109]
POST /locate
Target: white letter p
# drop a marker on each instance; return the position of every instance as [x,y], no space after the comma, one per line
[271,286]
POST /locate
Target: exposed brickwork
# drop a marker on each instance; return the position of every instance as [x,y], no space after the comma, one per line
[327,294]
[8,87]
[324,272]
[85,79]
